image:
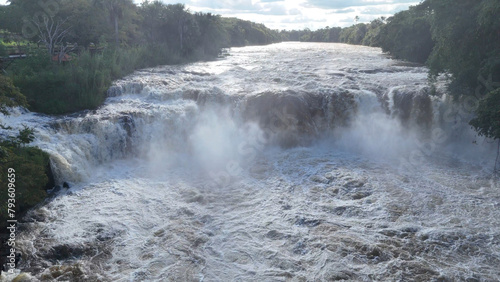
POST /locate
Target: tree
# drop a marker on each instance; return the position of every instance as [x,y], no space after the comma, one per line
[3,50]
[467,43]
[487,120]
[10,96]
[353,34]
[407,35]
[241,33]
[181,24]
[26,135]
[120,10]
[16,15]
[372,36]
[154,20]
[52,33]
[34,166]
[212,35]
[91,23]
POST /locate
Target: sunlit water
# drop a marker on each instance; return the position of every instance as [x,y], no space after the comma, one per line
[289,162]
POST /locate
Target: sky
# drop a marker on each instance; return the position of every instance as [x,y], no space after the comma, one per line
[297,14]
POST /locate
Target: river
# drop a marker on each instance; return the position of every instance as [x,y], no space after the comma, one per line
[287,162]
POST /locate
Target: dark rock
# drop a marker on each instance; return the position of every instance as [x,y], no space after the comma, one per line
[410,229]
[334,191]
[275,235]
[319,179]
[390,232]
[360,195]
[52,182]
[66,251]
[308,222]
[340,276]
[339,210]
[300,248]
[354,184]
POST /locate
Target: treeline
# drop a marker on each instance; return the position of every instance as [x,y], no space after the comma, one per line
[459,38]
[78,47]
[406,35]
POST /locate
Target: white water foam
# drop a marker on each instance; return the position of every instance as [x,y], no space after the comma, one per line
[178,178]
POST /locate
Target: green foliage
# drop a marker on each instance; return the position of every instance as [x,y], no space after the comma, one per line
[89,24]
[31,167]
[26,135]
[151,34]
[487,120]
[145,36]
[3,49]
[354,34]
[295,35]
[241,33]
[10,96]
[213,37]
[366,34]
[11,16]
[326,34]
[407,34]
[54,88]
[372,35]
[467,43]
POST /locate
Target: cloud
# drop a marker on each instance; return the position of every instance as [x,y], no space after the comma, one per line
[341,4]
[294,11]
[238,5]
[383,9]
[274,9]
[298,14]
[342,11]
[303,19]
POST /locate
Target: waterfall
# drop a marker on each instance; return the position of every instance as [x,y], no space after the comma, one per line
[287,162]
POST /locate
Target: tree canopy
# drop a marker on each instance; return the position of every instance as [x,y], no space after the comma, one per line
[10,96]
[487,121]
[407,35]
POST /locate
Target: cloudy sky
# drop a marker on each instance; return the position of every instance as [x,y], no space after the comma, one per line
[298,14]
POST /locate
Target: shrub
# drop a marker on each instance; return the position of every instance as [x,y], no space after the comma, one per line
[32,170]
[487,120]
[10,96]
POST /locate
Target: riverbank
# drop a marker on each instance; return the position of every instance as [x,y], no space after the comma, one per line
[81,84]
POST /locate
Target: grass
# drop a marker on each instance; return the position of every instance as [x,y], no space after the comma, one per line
[54,88]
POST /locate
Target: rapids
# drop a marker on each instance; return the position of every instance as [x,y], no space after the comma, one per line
[287,162]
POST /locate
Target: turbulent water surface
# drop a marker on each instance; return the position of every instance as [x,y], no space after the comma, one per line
[289,162]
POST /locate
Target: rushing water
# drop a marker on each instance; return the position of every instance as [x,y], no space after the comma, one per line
[289,162]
